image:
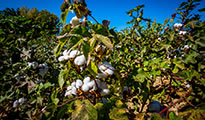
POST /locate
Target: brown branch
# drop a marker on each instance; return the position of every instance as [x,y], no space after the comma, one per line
[93,18]
[81,97]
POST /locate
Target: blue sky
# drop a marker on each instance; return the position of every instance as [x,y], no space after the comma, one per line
[113,10]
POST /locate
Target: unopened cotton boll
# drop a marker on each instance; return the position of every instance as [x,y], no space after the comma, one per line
[79,83]
[86,80]
[80,60]
[61,58]
[75,21]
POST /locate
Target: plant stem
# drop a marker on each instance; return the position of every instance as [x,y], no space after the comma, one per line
[70,101]
[94,19]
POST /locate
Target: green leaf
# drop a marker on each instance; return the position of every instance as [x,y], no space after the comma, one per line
[118,114]
[172,116]
[84,110]
[156,117]
[86,49]
[165,22]
[92,68]
[61,80]
[105,40]
[175,70]
[64,16]
[80,30]
[99,29]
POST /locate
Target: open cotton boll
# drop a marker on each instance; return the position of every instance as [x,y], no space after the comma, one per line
[15,104]
[80,60]
[104,91]
[109,72]
[68,93]
[102,67]
[73,53]
[86,80]
[74,91]
[108,65]
[178,25]
[66,57]
[61,58]
[101,75]
[91,84]
[79,83]
[69,88]
[65,52]
[73,84]
[183,32]
[85,88]
[22,101]
[75,21]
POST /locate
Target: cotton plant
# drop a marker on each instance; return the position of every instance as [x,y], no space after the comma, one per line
[86,86]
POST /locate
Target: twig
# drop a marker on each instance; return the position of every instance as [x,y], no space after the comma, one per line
[188,93]
[93,18]
[70,101]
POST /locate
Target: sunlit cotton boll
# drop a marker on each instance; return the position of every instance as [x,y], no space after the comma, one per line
[80,60]
[73,84]
[75,21]
[108,65]
[61,58]
[177,25]
[65,52]
[183,32]
[91,84]
[74,91]
[85,87]
[86,80]
[68,93]
[109,72]
[73,53]
[79,83]
[22,101]
[104,91]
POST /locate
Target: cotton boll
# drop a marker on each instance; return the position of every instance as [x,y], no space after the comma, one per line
[80,60]
[68,93]
[15,104]
[178,25]
[86,80]
[73,53]
[104,91]
[22,101]
[108,65]
[183,32]
[101,84]
[101,75]
[75,21]
[79,83]
[65,52]
[74,91]
[34,64]
[155,106]
[91,84]
[69,88]
[61,58]
[66,57]
[85,88]
[109,72]
[73,84]
[102,67]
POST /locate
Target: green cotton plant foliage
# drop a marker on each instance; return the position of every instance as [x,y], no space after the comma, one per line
[84,111]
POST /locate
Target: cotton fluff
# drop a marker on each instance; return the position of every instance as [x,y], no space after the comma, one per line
[106,68]
[73,53]
[61,58]
[109,71]
[183,32]
[73,84]
[33,64]
[86,80]
[79,83]
[75,21]
[91,84]
[104,91]
[85,87]
[177,25]
[65,52]
[80,60]
[18,102]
